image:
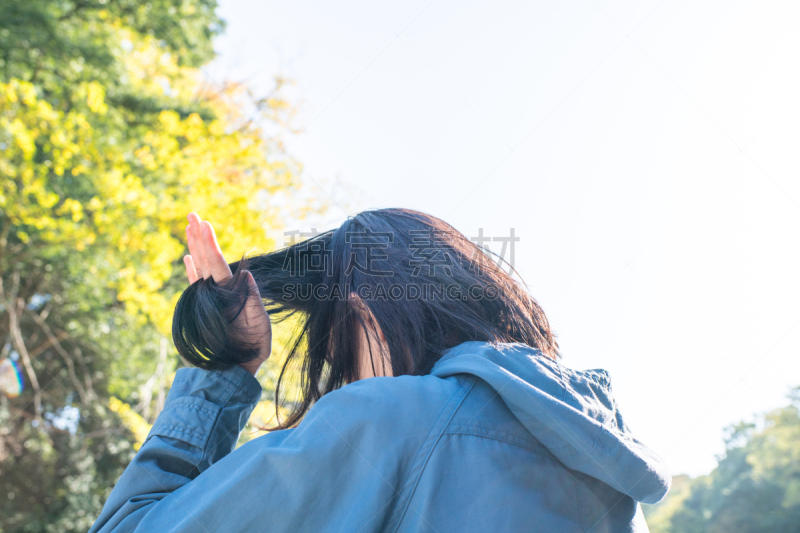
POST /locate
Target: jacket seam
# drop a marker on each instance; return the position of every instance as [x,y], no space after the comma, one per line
[562,381]
[232,387]
[477,429]
[189,406]
[578,501]
[532,449]
[473,380]
[181,429]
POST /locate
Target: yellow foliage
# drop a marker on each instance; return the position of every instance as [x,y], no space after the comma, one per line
[131,419]
[67,183]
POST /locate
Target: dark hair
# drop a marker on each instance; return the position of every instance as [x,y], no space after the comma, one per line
[460,294]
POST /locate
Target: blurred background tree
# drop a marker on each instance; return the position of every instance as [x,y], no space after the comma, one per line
[754,489]
[108,138]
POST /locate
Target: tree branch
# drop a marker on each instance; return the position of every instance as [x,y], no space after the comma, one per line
[87,375]
[14,310]
[84,394]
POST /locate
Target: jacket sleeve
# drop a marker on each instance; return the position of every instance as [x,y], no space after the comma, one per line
[186,479]
[200,424]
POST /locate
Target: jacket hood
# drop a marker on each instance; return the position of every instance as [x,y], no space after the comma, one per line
[572,413]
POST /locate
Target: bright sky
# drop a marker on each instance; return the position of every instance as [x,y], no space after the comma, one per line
[645,153]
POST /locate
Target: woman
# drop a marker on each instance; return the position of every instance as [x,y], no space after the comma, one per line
[432,399]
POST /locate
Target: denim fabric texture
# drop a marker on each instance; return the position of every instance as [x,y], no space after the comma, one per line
[497,438]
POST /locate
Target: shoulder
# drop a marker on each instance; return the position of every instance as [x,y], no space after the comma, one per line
[410,402]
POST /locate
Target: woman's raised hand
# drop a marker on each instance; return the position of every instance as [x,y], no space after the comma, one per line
[206,260]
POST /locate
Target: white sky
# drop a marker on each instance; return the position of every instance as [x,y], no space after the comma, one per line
[651,177]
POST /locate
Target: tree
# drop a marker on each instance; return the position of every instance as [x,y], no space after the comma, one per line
[756,486]
[107,139]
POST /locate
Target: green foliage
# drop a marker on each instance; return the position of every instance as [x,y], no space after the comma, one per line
[107,140]
[754,489]
[658,515]
[58,44]
[55,481]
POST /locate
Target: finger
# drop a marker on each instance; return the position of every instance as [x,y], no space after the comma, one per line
[199,256]
[192,248]
[251,282]
[252,290]
[255,294]
[191,273]
[257,311]
[217,265]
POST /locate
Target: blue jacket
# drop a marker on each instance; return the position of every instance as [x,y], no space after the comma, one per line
[496,438]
